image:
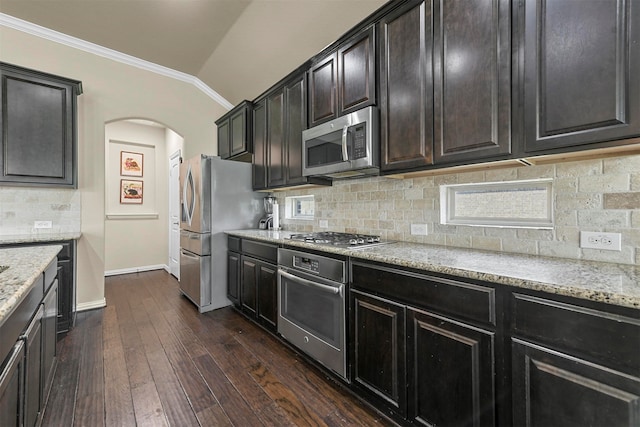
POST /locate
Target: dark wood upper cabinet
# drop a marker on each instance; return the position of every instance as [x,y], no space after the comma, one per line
[472,76]
[406,87]
[276,161]
[38,141]
[581,72]
[260,145]
[295,123]
[322,90]
[344,80]
[234,133]
[286,118]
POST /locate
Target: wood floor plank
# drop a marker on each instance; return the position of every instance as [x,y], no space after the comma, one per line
[299,413]
[89,409]
[117,389]
[60,408]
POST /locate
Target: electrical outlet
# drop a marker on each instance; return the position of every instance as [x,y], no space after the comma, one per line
[42,224]
[418,229]
[601,240]
[324,223]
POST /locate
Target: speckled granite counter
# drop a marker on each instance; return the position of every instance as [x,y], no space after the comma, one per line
[25,265]
[40,237]
[617,284]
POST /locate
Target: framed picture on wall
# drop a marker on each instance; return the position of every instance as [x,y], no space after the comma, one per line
[131,191]
[131,164]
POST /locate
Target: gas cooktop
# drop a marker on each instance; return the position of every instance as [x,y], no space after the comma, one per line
[342,240]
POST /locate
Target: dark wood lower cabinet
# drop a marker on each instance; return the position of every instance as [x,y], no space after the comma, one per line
[233,277]
[551,388]
[11,388]
[451,372]
[259,291]
[379,355]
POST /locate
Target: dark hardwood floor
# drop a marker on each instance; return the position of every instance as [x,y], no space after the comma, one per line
[149,359]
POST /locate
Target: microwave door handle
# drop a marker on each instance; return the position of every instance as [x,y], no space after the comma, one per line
[345,152]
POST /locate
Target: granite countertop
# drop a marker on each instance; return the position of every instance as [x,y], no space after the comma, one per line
[617,284]
[25,266]
[39,237]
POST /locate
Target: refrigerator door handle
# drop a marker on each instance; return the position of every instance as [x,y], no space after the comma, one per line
[189,203]
[187,254]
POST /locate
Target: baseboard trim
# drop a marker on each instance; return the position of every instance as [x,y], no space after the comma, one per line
[91,305]
[136,269]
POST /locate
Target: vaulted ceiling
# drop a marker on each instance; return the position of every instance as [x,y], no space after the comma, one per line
[239,48]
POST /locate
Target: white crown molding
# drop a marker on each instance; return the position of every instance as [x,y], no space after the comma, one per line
[55,36]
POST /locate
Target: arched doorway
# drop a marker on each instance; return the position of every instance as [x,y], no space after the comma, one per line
[141,196]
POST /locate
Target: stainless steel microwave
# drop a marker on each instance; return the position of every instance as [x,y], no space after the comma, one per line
[345,147]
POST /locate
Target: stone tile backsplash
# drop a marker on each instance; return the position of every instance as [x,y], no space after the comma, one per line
[589,195]
[20,207]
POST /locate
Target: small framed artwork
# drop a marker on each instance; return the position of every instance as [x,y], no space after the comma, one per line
[130,191]
[131,163]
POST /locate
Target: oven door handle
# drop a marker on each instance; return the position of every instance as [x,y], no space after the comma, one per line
[326,288]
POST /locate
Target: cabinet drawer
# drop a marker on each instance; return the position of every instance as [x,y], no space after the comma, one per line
[260,250]
[233,244]
[462,300]
[597,335]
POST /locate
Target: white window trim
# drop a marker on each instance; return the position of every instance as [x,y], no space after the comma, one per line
[290,208]
[447,205]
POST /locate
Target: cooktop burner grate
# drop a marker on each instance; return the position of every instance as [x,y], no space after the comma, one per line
[334,238]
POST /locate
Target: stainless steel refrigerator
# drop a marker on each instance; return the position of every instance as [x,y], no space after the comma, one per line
[216,196]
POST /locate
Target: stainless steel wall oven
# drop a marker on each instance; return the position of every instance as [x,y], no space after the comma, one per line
[311,314]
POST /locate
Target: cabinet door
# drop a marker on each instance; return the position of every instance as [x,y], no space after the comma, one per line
[11,388]
[357,73]
[37,116]
[33,374]
[260,146]
[379,349]
[233,277]
[65,295]
[49,338]
[581,72]
[238,125]
[472,86]
[249,286]
[406,87]
[268,295]
[224,132]
[322,90]
[555,389]
[276,164]
[451,372]
[296,119]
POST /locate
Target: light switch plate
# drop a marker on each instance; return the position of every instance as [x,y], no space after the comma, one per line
[601,240]
[324,223]
[42,224]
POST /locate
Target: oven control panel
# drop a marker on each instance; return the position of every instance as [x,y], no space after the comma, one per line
[307,264]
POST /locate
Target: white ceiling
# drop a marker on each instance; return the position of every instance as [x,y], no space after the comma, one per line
[239,48]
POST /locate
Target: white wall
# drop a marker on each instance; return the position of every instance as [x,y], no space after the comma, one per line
[112,91]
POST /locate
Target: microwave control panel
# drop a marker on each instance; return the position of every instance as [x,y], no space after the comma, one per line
[359,142]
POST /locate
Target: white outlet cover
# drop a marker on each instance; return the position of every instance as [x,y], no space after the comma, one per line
[324,223]
[601,240]
[418,229]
